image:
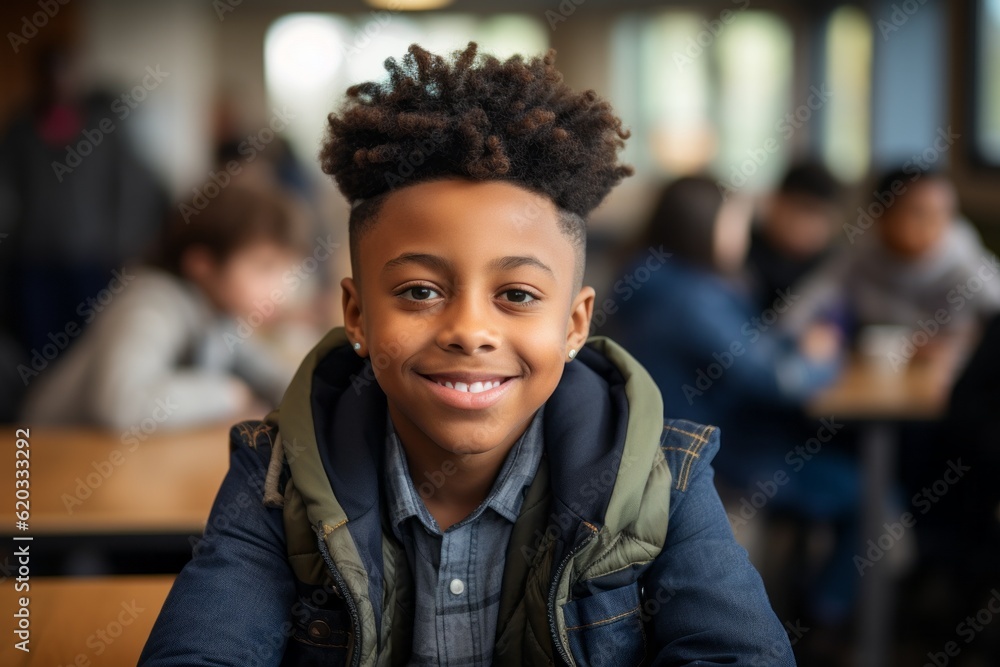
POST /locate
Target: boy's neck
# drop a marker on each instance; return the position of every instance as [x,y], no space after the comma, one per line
[459,482]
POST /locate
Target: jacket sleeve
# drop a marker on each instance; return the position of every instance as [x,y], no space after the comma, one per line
[706,602]
[231,604]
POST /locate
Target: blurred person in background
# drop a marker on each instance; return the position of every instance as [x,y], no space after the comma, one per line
[691,314]
[177,343]
[795,233]
[76,203]
[277,166]
[719,360]
[914,269]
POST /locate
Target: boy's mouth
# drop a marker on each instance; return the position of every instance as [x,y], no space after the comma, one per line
[468,390]
[473,384]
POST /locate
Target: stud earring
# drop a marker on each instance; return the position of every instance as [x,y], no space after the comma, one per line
[572,354]
[357,346]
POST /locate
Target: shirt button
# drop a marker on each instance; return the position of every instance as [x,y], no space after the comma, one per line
[456,586]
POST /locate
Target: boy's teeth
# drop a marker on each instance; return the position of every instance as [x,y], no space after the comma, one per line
[474,388]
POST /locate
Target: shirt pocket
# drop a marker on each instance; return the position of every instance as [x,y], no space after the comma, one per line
[606,628]
[321,634]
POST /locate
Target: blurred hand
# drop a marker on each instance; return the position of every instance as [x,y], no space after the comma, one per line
[821,342]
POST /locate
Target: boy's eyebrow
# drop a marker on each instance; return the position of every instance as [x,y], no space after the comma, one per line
[430,261]
[441,264]
[515,261]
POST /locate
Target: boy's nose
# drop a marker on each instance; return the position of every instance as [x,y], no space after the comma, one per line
[467,326]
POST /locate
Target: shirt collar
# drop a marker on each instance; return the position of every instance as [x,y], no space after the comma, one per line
[505,497]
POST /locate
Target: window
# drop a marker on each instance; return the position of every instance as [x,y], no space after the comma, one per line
[847,126]
[986,122]
[706,92]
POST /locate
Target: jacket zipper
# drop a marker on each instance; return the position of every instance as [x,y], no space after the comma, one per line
[563,651]
[345,591]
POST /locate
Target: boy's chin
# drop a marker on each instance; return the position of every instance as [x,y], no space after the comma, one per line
[463,447]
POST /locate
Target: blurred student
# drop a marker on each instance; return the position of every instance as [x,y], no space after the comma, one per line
[76,202]
[912,262]
[794,235]
[718,359]
[177,341]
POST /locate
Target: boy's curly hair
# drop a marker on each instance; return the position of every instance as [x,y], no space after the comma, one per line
[477,117]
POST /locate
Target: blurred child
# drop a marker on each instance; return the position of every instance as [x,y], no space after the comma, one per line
[690,318]
[457,476]
[717,358]
[913,263]
[794,234]
[174,341]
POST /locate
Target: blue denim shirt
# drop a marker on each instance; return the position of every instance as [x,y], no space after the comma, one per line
[456,572]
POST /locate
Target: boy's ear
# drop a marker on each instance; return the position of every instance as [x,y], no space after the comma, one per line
[579,320]
[353,320]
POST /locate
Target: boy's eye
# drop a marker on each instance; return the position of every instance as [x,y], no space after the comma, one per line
[419,293]
[518,296]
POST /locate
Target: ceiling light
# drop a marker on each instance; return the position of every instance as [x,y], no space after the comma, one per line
[409,5]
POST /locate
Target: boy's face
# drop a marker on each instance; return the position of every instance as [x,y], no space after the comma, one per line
[799,225]
[915,223]
[243,283]
[472,284]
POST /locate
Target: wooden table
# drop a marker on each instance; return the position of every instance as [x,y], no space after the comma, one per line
[879,399]
[85,622]
[870,390]
[87,481]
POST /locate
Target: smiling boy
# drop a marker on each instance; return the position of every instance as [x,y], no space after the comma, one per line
[505,492]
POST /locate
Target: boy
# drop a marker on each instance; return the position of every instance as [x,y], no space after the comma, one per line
[163,341]
[913,262]
[463,478]
[795,234]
